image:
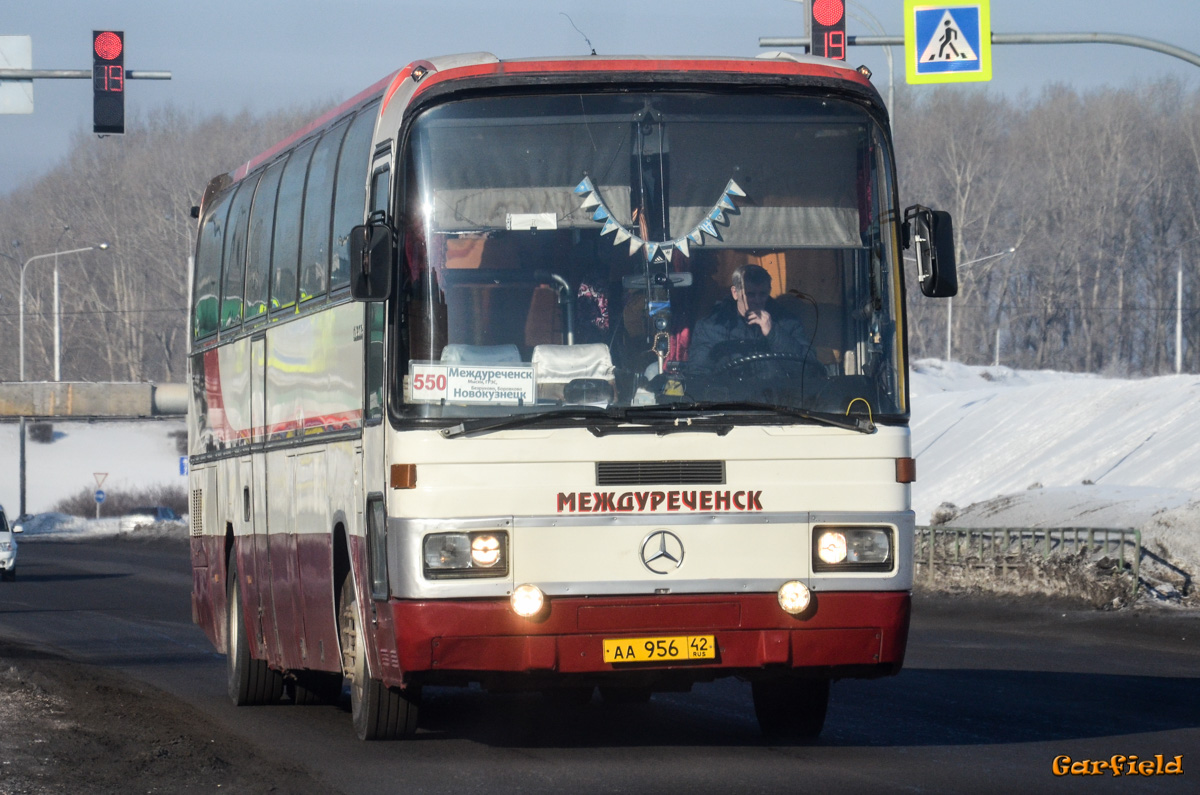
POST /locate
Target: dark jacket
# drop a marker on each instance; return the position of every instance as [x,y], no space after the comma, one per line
[724,334]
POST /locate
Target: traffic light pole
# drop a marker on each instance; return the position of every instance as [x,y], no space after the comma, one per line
[75,74]
[1012,38]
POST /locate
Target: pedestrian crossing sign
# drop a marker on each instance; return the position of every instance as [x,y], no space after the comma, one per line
[948,41]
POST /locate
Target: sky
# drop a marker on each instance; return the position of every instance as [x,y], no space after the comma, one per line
[230,55]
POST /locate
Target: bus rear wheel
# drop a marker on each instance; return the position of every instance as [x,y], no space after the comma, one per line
[249,681]
[791,708]
[379,712]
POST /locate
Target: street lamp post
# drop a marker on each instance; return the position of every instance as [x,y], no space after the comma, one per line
[21,304]
[950,301]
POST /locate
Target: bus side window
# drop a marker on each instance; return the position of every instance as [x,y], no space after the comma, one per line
[235,254]
[258,243]
[208,269]
[350,199]
[286,253]
[318,212]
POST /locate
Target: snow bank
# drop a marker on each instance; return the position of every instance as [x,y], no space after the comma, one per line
[131,455]
[1002,448]
[62,527]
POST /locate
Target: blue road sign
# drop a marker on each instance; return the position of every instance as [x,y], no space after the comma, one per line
[948,41]
[183,465]
[99,496]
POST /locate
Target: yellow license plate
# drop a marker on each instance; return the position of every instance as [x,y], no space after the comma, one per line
[668,649]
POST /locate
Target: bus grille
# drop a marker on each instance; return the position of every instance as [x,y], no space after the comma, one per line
[650,473]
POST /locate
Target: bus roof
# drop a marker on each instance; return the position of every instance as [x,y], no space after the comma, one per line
[485,64]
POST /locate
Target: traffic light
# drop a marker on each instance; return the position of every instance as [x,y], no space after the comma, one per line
[108,82]
[828,28]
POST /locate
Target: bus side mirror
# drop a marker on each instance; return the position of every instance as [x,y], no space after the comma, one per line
[372,253]
[930,234]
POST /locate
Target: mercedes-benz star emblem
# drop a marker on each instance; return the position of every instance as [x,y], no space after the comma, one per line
[662,551]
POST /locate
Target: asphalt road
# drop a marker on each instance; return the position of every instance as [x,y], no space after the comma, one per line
[992,693]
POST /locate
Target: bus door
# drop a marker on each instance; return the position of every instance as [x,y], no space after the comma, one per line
[259,495]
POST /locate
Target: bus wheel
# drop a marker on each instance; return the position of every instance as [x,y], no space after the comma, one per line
[316,687]
[250,681]
[792,708]
[379,712]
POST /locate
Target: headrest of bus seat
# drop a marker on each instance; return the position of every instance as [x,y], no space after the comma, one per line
[481,354]
[563,363]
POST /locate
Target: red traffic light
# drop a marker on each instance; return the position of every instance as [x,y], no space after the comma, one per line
[828,12]
[108,82]
[108,44]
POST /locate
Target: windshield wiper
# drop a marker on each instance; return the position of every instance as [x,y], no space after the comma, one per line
[726,411]
[590,414]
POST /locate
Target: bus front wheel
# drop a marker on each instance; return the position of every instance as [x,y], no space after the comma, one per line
[250,681]
[791,708]
[379,712]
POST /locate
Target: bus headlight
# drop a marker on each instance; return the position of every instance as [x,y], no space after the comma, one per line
[794,597]
[853,548]
[482,554]
[527,600]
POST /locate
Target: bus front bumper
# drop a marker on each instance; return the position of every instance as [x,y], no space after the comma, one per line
[841,634]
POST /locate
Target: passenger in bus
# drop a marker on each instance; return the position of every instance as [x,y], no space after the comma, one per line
[749,322]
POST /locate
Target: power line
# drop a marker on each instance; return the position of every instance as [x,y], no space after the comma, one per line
[83,312]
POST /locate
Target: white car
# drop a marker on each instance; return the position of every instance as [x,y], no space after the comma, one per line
[8,547]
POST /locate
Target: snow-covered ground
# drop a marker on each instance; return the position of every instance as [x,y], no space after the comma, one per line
[1004,448]
[1012,448]
[129,456]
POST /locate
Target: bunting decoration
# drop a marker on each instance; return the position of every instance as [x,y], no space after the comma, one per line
[695,237]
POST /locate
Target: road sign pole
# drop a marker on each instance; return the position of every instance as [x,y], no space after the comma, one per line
[22,477]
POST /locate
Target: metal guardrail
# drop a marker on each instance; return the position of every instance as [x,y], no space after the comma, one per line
[1009,548]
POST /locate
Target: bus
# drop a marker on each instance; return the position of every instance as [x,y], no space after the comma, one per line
[565,374]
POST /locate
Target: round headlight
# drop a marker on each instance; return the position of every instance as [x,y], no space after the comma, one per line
[794,597]
[485,550]
[527,600]
[831,546]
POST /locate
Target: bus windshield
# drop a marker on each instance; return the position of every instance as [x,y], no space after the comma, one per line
[625,250]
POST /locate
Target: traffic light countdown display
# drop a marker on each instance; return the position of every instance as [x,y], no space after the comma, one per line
[828,25]
[108,82]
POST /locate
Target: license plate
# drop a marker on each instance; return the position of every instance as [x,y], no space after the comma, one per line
[667,649]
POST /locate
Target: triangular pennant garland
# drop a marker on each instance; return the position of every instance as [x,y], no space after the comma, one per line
[592,198]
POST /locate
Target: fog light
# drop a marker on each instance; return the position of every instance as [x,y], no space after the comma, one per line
[794,597]
[527,600]
[485,550]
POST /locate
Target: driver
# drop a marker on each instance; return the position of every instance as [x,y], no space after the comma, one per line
[748,324]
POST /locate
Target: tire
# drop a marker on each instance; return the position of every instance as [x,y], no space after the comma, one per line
[792,708]
[316,687]
[378,712]
[249,681]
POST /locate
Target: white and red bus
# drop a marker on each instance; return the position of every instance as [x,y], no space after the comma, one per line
[449,424]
